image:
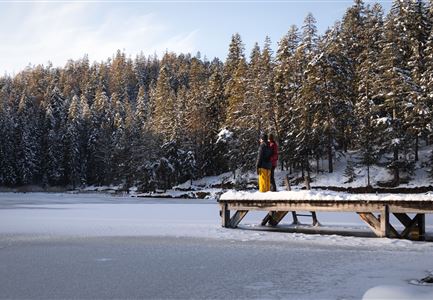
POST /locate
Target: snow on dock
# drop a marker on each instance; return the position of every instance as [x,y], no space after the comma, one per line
[310,195]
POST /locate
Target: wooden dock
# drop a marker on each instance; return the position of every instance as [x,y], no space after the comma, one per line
[375,213]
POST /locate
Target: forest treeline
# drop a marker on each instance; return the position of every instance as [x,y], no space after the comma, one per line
[366,84]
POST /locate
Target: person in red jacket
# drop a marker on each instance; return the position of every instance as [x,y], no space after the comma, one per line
[274,159]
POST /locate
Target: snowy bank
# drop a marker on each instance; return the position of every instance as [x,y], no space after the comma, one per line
[398,292]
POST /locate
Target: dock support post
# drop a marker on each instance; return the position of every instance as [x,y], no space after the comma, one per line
[371,221]
[225,215]
[277,217]
[266,218]
[273,218]
[384,222]
[421,227]
[237,218]
[295,218]
[413,228]
[315,221]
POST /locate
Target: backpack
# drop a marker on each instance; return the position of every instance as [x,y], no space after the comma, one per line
[267,154]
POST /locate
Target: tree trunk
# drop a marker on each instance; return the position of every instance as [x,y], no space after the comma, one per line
[416,148]
[307,175]
[368,175]
[396,169]
[330,163]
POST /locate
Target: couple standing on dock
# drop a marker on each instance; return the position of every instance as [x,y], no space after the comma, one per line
[267,162]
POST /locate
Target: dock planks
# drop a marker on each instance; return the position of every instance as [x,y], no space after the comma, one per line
[375,213]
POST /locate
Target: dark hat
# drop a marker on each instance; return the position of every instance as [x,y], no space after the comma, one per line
[264,136]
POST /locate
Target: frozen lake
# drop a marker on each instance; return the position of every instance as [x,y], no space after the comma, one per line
[100,246]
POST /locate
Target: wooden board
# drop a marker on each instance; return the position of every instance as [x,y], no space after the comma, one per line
[381,226]
[331,206]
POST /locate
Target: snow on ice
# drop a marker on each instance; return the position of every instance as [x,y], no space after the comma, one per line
[47,217]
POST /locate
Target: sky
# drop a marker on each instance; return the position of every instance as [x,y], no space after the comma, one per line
[38,32]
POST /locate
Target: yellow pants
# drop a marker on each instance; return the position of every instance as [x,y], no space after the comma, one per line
[264,180]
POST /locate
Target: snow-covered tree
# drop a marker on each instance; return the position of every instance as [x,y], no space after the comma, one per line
[349,171]
[163,107]
[8,168]
[368,74]
[398,87]
[287,84]
[73,149]
[55,117]
[100,140]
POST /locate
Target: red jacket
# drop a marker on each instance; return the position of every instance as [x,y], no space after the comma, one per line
[274,157]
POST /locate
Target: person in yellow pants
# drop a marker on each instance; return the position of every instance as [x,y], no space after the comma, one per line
[264,180]
[264,164]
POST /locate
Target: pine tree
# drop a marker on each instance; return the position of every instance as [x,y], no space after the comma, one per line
[254,114]
[235,55]
[118,112]
[86,122]
[28,145]
[417,27]
[330,101]
[215,114]
[397,85]
[237,90]
[287,83]
[427,86]
[234,80]
[142,107]
[349,172]
[309,36]
[368,74]
[303,109]
[54,162]
[163,107]
[100,140]
[251,111]
[303,114]
[128,140]
[235,115]
[350,44]
[267,94]
[372,121]
[196,118]
[116,76]
[8,168]
[73,149]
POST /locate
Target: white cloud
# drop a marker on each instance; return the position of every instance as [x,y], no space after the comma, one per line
[44,32]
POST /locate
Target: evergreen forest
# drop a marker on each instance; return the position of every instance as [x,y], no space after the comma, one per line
[364,85]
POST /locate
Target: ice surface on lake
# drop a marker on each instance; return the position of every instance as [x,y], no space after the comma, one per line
[353,265]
